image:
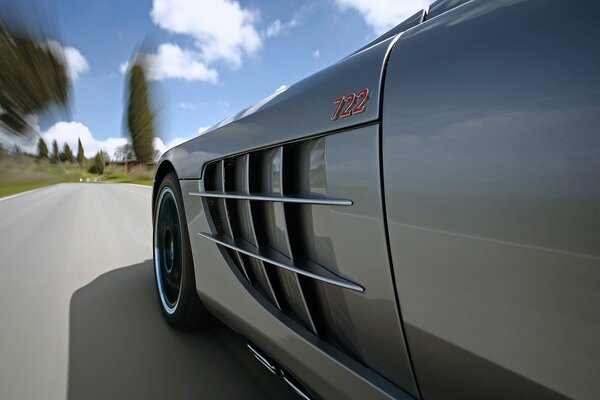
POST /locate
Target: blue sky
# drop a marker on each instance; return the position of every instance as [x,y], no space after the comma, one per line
[210,58]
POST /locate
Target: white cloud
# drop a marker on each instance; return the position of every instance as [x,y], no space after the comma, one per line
[383,15]
[171,61]
[202,129]
[223,30]
[281,88]
[316,54]
[277,27]
[77,64]
[69,132]
[123,67]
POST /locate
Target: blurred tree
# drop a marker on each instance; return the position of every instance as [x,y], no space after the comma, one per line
[42,149]
[32,78]
[68,153]
[97,166]
[55,155]
[124,153]
[140,117]
[80,153]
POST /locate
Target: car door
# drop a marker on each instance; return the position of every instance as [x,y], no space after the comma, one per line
[492,189]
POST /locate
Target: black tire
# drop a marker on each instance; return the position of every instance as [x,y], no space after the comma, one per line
[173,262]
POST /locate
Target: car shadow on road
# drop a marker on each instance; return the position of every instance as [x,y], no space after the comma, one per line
[121,348]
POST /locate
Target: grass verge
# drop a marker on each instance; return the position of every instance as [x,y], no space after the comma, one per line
[7,190]
[138,175]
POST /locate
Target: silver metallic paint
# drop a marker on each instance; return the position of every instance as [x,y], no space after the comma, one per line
[268,123]
[231,298]
[441,6]
[350,241]
[491,158]
[492,191]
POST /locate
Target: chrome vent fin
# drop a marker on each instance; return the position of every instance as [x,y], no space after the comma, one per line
[273,257]
[254,202]
[281,199]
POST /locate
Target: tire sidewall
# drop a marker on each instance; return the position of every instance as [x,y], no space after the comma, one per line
[187,292]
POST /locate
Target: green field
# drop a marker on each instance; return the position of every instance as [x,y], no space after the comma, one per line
[6,190]
[20,173]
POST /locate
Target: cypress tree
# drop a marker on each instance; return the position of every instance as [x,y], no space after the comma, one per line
[68,153]
[42,149]
[140,118]
[80,154]
[97,166]
[55,155]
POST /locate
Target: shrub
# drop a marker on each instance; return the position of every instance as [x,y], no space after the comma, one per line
[97,166]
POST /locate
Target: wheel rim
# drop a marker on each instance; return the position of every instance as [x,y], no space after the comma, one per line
[168,250]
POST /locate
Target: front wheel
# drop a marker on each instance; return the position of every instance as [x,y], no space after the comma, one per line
[173,263]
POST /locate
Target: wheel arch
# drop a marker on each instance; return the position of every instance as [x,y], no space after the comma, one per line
[164,168]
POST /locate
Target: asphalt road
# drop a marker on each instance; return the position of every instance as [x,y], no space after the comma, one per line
[79,317]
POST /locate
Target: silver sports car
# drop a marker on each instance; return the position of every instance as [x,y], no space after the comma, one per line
[419,220]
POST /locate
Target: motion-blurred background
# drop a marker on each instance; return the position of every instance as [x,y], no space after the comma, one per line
[96,91]
[65,65]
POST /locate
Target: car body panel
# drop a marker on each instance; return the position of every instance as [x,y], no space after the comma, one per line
[302,110]
[441,6]
[491,158]
[349,242]
[475,224]
[410,22]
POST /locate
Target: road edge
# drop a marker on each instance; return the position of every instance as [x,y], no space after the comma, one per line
[12,196]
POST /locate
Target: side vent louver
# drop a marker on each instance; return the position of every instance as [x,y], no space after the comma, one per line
[254,204]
